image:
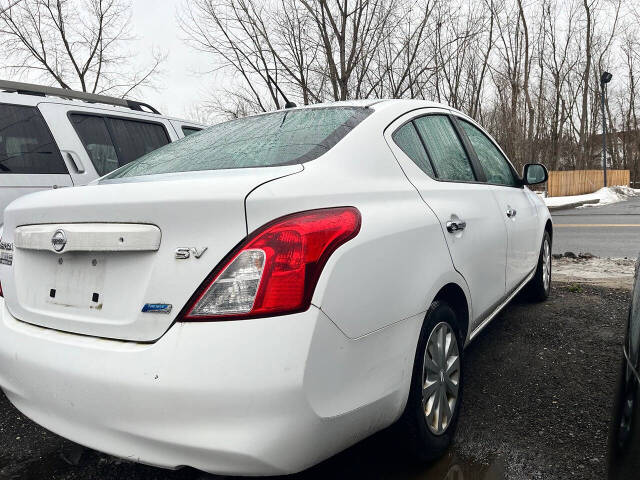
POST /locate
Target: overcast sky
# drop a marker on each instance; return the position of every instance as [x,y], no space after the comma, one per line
[184,85]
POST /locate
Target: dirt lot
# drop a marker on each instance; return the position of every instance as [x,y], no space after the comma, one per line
[539,384]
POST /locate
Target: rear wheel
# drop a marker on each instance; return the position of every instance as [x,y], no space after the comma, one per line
[431,415]
[540,285]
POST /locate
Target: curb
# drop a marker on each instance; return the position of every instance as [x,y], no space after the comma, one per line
[574,205]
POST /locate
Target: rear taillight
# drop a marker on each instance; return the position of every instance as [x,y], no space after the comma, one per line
[275,270]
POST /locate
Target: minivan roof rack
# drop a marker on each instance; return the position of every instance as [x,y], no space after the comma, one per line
[40,90]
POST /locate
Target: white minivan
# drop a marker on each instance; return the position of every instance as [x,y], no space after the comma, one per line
[52,137]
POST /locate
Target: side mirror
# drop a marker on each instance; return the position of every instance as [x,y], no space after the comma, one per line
[534,173]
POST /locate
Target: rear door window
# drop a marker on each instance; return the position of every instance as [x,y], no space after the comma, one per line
[445,149]
[285,137]
[26,145]
[95,137]
[113,142]
[407,138]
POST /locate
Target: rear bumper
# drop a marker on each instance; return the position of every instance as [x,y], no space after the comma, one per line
[248,397]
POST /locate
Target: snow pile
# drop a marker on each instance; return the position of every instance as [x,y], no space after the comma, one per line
[605,196]
[612,195]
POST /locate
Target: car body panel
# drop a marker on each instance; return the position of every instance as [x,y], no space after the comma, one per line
[479,251]
[16,185]
[189,210]
[256,408]
[522,225]
[523,245]
[399,233]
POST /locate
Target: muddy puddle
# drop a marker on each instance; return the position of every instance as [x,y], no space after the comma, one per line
[450,467]
[454,467]
[380,458]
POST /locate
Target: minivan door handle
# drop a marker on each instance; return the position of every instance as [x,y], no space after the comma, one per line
[454,226]
[76,162]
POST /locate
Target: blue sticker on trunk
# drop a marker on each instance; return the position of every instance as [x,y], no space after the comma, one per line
[157,307]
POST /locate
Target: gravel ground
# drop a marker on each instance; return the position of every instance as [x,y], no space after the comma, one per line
[539,385]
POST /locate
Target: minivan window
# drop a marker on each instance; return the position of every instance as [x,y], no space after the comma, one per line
[284,137]
[113,142]
[95,137]
[493,163]
[189,130]
[26,145]
[445,148]
[409,141]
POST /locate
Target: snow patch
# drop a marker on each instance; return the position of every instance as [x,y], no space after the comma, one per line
[605,196]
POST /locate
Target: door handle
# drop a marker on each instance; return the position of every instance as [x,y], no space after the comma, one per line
[454,226]
[76,162]
[511,212]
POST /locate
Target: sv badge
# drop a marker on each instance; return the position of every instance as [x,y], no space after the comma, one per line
[182,253]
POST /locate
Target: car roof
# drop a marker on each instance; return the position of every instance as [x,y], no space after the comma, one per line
[379,104]
[363,102]
[35,100]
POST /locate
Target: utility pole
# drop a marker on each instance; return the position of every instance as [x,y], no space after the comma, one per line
[604,79]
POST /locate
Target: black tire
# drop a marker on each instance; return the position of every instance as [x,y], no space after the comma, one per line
[537,290]
[421,442]
[619,443]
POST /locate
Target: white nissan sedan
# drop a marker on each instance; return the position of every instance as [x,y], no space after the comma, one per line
[260,295]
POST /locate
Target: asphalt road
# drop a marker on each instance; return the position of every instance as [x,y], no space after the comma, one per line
[606,231]
[539,385]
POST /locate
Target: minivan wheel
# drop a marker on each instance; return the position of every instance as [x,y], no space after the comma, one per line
[540,285]
[430,417]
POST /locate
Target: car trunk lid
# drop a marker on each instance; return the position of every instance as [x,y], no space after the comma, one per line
[102,260]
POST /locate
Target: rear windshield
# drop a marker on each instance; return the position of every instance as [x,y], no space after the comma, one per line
[279,138]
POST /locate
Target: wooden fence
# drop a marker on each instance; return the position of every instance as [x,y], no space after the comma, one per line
[577,182]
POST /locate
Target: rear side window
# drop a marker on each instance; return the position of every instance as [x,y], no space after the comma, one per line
[189,130]
[445,148]
[113,142]
[285,137]
[26,145]
[97,142]
[408,140]
[493,162]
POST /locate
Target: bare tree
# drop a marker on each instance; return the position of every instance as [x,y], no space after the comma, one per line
[529,71]
[314,50]
[74,43]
